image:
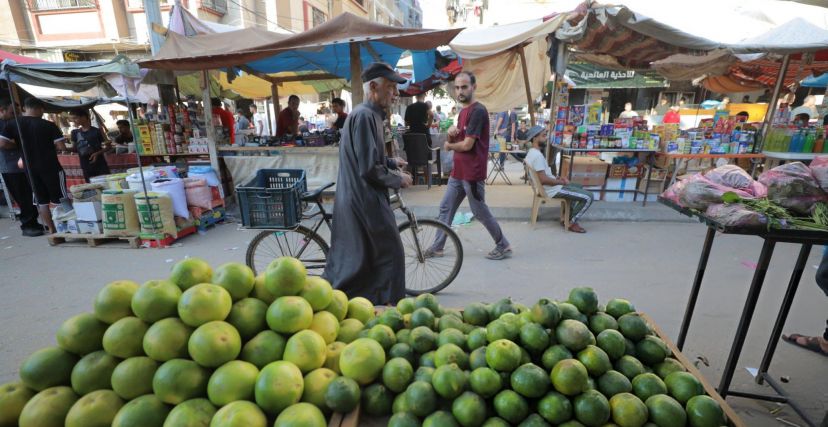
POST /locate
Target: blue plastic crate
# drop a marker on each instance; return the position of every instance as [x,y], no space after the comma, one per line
[272,199]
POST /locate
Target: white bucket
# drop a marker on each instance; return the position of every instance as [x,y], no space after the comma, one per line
[204,172]
[134,180]
[175,188]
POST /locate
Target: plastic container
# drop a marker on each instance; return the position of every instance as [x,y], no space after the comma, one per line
[272,199]
[205,172]
[134,180]
[175,188]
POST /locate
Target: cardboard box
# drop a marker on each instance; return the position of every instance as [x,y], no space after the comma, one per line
[656,186]
[88,211]
[90,227]
[622,171]
[657,175]
[624,190]
[69,226]
[587,171]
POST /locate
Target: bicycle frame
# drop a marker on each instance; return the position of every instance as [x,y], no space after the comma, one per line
[398,203]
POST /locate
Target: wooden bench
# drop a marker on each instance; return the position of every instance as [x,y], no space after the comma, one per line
[540,197]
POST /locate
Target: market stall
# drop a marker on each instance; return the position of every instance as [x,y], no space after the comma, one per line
[331,51]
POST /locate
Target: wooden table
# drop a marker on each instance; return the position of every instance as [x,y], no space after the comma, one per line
[678,158]
[650,162]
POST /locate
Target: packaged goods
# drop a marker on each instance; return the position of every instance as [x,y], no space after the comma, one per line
[198,193]
[736,215]
[120,215]
[155,213]
[175,188]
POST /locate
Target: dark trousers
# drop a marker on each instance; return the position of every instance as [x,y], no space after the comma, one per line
[822,282]
[21,192]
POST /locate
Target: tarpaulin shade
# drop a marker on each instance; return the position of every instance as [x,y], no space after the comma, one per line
[765,71]
[727,84]
[812,81]
[322,48]
[75,76]
[20,59]
[588,76]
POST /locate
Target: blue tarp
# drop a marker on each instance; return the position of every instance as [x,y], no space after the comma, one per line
[335,59]
[821,81]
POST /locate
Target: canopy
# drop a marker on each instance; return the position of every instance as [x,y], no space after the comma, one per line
[821,81]
[588,76]
[74,76]
[493,55]
[20,59]
[642,31]
[322,48]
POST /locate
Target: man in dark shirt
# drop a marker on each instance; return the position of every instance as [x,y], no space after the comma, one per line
[124,135]
[40,140]
[416,117]
[88,142]
[15,177]
[288,122]
[470,142]
[338,106]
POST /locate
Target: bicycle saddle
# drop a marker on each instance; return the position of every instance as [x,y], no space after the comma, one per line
[310,196]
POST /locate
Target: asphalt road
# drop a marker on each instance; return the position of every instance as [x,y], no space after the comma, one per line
[651,264]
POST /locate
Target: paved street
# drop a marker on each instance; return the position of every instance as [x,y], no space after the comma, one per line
[650,263]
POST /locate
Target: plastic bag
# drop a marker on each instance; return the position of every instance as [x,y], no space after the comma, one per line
[734,177]
[699,192]
[793,186]
[672,192]
[736,215]
[198,193]
[819,168]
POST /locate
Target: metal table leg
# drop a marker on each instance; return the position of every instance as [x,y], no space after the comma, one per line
[799,268]
[747,316]
[650,166]
[694,292]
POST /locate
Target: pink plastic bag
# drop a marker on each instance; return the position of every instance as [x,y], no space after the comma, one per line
[672,193]
[736,215]
[699,192]
[819,168]
[198,193]
[793,186]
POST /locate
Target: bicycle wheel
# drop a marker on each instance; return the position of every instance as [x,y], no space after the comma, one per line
[300,242]
[429,275]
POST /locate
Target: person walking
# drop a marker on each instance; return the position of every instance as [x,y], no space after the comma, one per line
[366,257]
[470,142]
[817,344]
[561,188]
[17,183]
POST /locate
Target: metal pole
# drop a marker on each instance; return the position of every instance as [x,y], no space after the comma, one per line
[530,102]
[208,121]
[780,80]
[697,281]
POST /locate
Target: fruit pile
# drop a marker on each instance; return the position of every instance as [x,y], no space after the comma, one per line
[568,363]
[224,348]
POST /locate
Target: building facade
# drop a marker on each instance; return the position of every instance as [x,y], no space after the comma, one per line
[77,30]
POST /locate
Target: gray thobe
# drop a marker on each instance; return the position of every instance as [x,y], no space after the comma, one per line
[366,257]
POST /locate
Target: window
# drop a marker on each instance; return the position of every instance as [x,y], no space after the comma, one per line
[219,6]
[62,4]
[318,16]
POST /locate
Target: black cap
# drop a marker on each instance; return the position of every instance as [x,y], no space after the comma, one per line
[381,69]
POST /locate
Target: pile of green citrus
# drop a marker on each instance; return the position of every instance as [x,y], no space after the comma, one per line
[204,347]
[567,363]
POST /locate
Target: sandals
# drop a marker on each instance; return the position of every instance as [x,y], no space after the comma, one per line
[811,343]
[575,228]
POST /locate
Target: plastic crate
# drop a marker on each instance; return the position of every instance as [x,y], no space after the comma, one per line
[272,199]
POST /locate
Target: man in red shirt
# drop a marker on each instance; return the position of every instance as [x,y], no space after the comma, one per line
[672,116]
[227,120]
[288,122]
[470,142]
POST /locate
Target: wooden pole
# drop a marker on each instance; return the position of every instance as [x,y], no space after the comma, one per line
[277,107]
[529,99]
[269,120]
[356,74]
[777,88]
[208,121]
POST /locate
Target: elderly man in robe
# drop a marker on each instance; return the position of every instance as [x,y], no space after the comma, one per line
[366,257]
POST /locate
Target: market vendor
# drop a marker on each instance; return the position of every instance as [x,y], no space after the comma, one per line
[338,106]
[672,116]
[366,257]
[560,188]
[90,144]
[227,120]
[124,135]
[416,117]
[288,122]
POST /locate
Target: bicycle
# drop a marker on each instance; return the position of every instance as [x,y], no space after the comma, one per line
[425,272]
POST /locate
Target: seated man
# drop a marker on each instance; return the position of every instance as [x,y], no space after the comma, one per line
[579,199]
